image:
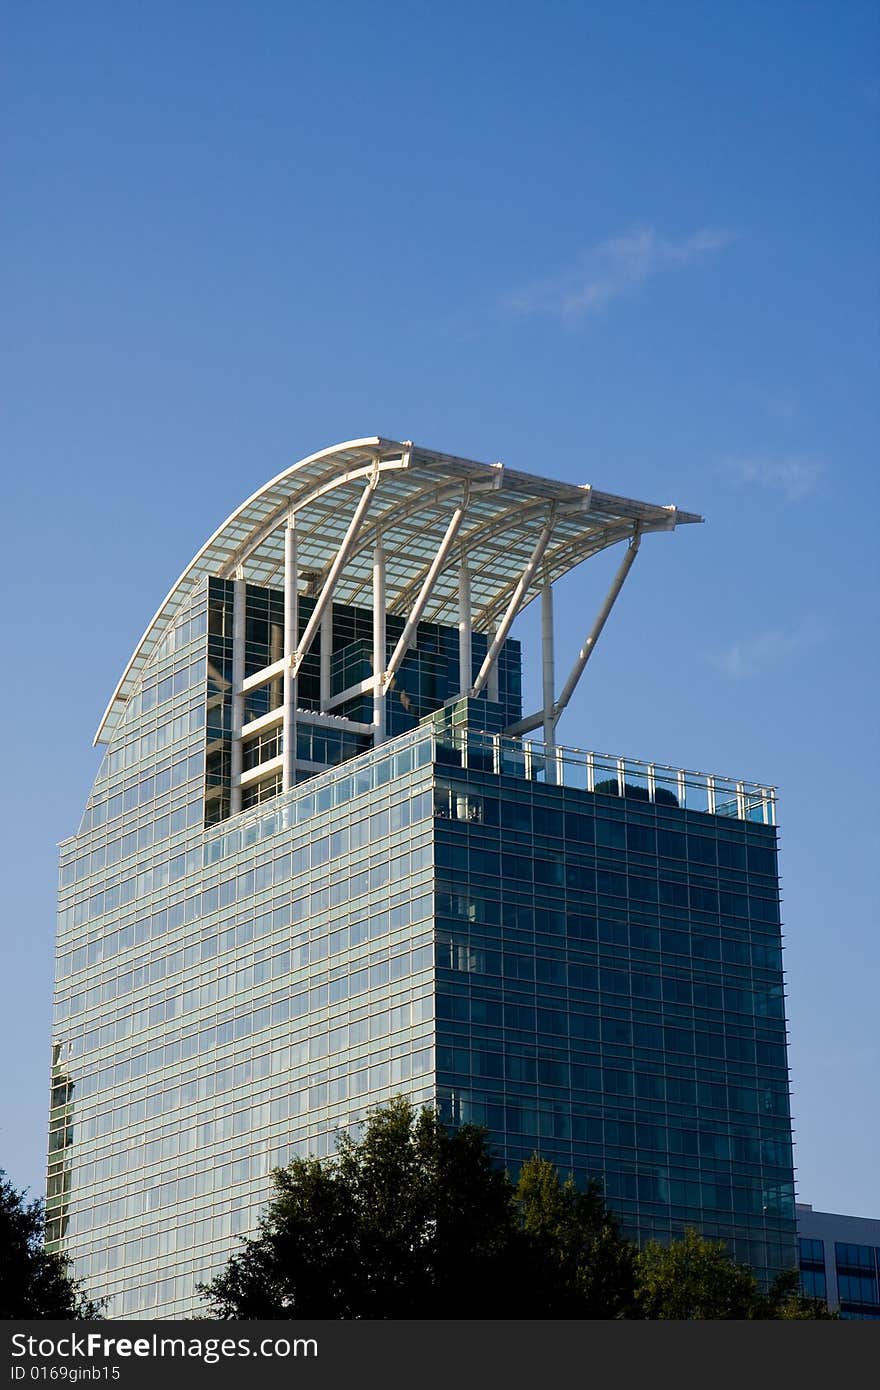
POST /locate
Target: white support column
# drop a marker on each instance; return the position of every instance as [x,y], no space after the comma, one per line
[465,630]
[559,765]
[514,606]
[548,679]
[418,607]
[291,640]
[239,598]
[681,785]
[379,651]
[326,656]
[740,801]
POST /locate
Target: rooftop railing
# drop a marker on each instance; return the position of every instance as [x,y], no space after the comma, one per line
[611,775]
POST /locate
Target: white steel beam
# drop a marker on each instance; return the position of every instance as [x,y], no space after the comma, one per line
[418,607]
[525,726]
[558,560]
[263,723]
[396,515]
[473,491]
[275,717]
[516,518]
[294,505]
[514,605]
[379,651]
[586,650]
[266,769]
[548,680]
[465,629]
[326,595]
[238,640]
[534,721]
[291,636]
[368,533]
[264,676]
[359,688]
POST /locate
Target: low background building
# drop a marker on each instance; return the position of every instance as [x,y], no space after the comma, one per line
[840,1260]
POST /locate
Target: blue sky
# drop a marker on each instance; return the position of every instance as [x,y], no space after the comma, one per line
[631,244]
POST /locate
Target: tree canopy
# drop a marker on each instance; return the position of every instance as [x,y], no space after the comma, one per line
[413,1220]
[34,1283]
[695,1278]
[581,1265]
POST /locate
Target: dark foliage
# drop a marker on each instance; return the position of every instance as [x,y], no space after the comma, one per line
[694,1279]
[411,1221]
[33,1283]
[582,1267]
[415,1221]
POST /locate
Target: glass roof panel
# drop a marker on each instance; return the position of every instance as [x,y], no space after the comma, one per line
[416,491]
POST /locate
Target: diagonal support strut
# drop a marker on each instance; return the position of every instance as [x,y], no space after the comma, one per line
[534,721]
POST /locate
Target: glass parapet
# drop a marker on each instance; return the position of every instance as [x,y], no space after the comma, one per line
[609,774]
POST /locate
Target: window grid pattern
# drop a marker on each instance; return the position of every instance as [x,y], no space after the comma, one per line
[858,1280]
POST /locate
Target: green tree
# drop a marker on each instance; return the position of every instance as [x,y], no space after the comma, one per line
[785,1299]
[412,1220]
[695,1278]
[692,1278]
[34,1283]
[582,1266]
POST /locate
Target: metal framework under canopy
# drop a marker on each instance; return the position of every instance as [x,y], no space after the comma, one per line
[415,493]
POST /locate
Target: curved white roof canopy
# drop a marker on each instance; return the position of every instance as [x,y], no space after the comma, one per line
[415,494]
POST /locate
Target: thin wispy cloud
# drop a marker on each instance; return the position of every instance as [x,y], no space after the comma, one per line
[768,650]
[613,269]
[795,477]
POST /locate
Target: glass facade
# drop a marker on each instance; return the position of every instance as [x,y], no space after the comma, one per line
[609,993]
[582,956]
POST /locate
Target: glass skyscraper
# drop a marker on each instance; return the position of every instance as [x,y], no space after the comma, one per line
[322,864]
